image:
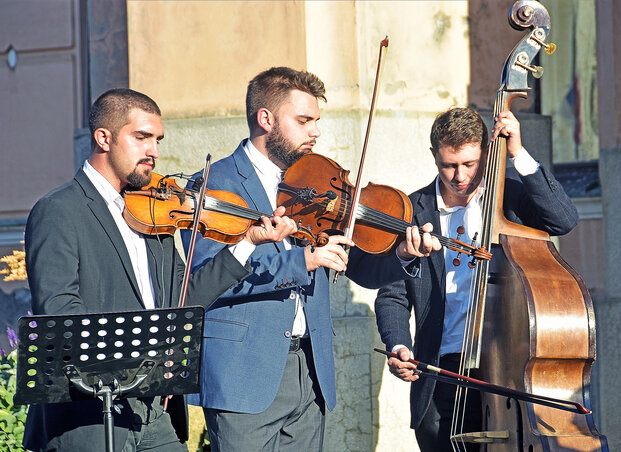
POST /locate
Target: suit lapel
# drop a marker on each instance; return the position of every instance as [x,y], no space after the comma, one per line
[427,212]
[100,210]
[252,185]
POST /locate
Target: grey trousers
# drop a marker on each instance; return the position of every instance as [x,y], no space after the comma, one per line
[293,422]
[152,430]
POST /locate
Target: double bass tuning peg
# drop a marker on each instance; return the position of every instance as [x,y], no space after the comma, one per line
[522,61]
[549,48]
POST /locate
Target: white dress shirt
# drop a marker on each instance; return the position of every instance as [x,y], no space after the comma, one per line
[459,279]
[134,242]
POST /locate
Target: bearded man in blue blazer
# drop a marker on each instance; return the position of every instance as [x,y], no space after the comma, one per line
[268,364]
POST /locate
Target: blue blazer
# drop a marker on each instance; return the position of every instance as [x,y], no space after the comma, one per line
[537,200]
[248,330]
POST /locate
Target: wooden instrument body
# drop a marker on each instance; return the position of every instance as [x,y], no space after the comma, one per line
[330,216]
[163,207]
[538,337]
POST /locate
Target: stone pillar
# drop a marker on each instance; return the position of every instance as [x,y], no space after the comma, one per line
[608,311]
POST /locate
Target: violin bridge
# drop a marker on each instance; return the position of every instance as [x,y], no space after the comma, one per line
[499,436]
[330,205]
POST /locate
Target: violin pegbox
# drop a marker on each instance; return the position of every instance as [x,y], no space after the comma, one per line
[526,14]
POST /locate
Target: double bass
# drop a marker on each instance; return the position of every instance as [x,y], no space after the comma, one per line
[531,325]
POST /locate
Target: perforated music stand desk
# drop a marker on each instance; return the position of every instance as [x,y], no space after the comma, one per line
[147,353]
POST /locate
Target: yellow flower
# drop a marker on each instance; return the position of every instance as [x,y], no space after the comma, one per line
[16,266]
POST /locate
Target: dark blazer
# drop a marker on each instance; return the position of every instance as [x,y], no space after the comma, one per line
[537,200]
[248,330]
[77,262]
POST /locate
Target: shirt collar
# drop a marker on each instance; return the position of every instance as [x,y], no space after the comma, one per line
[442,208]
[105,188]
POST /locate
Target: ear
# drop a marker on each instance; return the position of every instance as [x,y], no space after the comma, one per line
[265,119]
[103,138]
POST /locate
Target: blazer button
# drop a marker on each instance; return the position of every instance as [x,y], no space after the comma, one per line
[287,333]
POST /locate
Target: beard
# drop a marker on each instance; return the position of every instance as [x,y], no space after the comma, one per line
[281,148]
[136,179]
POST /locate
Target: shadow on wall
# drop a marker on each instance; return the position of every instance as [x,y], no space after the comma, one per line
[352,426]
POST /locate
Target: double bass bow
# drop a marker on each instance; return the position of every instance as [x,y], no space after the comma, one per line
[530,324]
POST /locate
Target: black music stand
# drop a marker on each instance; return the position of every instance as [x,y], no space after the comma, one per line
[65,358]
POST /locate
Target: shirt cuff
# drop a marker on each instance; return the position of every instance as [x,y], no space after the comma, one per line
[242,251]
[404,263]
[410,267]
[524,164]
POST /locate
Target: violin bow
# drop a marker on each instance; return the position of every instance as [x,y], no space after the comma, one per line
[186,274]
[349,228]
[197,215]
[427,370]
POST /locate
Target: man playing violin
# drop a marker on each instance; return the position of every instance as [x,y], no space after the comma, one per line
[82,257]
[268,366]
[440,297]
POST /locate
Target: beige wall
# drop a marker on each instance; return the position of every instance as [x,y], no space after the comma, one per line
[196,58]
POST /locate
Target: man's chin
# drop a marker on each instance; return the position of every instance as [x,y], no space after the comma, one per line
[140,180]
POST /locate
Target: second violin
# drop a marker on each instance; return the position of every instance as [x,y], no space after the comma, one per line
[318,195]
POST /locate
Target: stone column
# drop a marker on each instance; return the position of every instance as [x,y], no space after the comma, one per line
[608,310]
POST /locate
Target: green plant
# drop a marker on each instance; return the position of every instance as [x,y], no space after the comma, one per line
[12,418]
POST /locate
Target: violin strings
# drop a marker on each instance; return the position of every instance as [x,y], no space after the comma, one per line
[225,207]
[378,218]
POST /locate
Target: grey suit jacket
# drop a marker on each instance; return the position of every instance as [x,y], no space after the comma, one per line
[77,262]
[537,200]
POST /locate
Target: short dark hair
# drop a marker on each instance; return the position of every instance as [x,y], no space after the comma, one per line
[456,127]
[270,89]
[111,110]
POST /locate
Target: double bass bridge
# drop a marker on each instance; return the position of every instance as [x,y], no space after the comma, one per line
[499,436]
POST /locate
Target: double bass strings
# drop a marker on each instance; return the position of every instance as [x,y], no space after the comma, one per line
[478,286]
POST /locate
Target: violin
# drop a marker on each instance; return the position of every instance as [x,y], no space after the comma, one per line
[162,207]
[317,195]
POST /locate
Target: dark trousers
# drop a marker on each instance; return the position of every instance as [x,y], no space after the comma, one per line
[294,422]
[152,429]
[433,434]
